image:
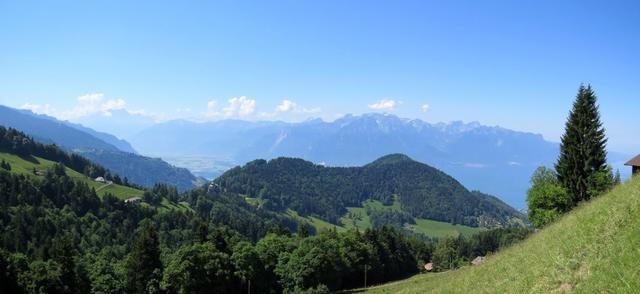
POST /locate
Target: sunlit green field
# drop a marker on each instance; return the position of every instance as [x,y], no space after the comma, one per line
[357,218]
[317,223]
[593,249]
[27,165]
[438,229]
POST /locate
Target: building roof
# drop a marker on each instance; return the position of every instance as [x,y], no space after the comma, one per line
[634,161]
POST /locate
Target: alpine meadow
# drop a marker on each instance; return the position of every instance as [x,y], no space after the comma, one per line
[319,147]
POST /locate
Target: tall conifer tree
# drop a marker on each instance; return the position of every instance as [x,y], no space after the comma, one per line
[144,268]
[583,159]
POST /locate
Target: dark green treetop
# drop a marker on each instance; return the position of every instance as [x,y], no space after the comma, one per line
[583,158]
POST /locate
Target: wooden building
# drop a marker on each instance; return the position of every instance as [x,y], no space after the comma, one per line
[635,165]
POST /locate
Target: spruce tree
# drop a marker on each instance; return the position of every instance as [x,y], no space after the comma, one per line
[583,159]
[144,268]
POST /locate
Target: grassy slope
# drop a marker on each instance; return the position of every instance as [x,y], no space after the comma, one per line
[438,229]
[317,223]
[360,220]
[593,249]
[23,166]
[430,228]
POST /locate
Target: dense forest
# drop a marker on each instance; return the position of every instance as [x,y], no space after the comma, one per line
[326,192]
[60,237]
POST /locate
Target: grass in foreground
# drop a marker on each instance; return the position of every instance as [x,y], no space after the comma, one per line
[593,249]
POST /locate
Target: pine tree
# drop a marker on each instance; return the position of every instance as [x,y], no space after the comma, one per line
[144,268]
[582,164]
[64,253]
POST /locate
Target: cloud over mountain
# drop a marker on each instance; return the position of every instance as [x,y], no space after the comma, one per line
[384,104]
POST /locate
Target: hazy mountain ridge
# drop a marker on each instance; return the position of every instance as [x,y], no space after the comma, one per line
[50,130]
[121,144]
[75,138]
[492,159]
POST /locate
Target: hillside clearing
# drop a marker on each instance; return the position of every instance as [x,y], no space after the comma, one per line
[26,166]
[357,218]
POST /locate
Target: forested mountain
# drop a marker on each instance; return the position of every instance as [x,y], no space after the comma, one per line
[60,236]
[491,159]
[138,169]
[326,192]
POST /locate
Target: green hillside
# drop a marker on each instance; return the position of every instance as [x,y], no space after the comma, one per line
[27,165]
[417,190]
[593,249]
[357,218]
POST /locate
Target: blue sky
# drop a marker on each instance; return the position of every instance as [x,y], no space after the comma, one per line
[516,64]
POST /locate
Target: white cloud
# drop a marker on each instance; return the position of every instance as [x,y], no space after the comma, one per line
[86,106]
[91,104]
[425,107]
[90,98]
[384,104]
[112,105]
[212,109]
[236,107]
[286,106]
[239,106]
[290,106]
[39,108]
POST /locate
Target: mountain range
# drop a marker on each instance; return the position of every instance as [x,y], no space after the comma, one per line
[491,159]
[115,154]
